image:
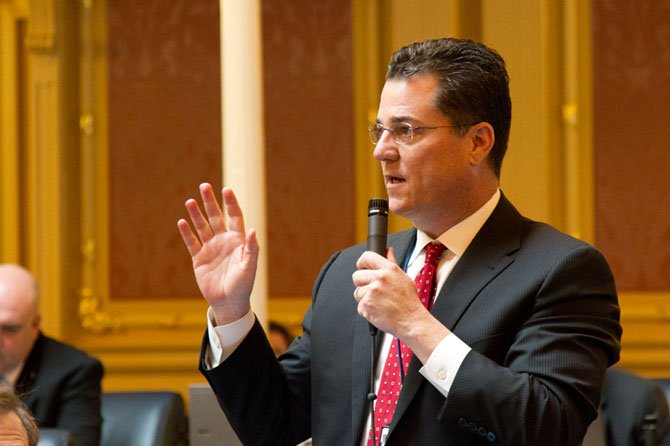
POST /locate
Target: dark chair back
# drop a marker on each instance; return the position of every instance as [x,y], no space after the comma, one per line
[665,383]
[143,419]
[636,410]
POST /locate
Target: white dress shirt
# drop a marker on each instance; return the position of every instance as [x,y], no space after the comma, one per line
[8,380]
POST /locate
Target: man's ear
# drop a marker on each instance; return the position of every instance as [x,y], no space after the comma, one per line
[37,321]
[483,137]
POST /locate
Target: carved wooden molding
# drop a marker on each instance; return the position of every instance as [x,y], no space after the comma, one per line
[99,313]
[645,317]
[92,314]
[645,307]
[41,33]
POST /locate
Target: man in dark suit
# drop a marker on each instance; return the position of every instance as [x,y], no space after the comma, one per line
[58,383]
[524,325]
[635,410]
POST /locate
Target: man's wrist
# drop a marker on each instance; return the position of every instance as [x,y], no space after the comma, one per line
[225,316]
[224,339]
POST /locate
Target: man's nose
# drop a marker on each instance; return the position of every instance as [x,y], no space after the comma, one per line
[386,148]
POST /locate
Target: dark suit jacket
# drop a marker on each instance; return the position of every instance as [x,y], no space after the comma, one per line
[538,308]
[627,401]
[61,387]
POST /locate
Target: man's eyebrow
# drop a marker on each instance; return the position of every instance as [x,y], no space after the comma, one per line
[395,119]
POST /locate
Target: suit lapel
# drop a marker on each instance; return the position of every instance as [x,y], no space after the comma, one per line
[402,244]
[28,373]
[485,258]
[487,255]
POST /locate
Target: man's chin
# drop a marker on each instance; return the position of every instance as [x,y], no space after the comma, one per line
[398,207]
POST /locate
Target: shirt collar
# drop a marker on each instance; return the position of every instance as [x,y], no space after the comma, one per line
[458,237]
[13,375]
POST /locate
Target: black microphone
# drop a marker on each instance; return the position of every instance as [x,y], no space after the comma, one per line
[378,212]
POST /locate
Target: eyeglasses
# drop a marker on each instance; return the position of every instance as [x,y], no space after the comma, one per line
[402,132]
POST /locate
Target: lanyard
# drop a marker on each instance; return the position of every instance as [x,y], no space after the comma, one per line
[402,369]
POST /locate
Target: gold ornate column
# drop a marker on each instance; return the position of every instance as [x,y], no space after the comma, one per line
[10,12]
[243,140]
[49,87]
[368,81]
[578,120]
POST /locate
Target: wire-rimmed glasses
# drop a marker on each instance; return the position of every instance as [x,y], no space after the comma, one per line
[403,132]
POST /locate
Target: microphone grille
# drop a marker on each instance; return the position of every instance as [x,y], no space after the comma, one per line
[379,204]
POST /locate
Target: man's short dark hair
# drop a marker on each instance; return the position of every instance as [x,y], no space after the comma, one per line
[474,85]
[10,403]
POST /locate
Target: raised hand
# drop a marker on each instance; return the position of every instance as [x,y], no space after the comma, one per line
[224,257]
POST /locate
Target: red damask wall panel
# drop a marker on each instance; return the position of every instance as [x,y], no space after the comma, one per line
[631,62]
[164,90]
[165,137]
[309,136]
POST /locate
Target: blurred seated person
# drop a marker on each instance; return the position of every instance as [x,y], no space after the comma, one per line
[58,383]
[635,409]
[279,337]
[17,426]
[633,412]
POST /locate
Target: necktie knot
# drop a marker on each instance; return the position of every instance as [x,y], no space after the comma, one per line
[425,281]
[433,252]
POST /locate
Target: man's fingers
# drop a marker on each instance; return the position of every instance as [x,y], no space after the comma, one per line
[190,240]
[215,217]
[199,223]
[235,217]
[359,293]
[251,243]
[390,255]
[370,260]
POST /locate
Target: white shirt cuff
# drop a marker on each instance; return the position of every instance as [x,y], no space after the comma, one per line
[224,339]
[444,362]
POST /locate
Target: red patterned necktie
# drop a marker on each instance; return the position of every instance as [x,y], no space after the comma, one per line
[393,374]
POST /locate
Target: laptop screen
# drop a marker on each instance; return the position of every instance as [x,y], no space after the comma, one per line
[207,423]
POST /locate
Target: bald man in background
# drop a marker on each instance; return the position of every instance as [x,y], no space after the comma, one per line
[58,383]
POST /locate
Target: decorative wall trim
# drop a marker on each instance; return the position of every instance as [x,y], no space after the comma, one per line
[645,317]
[367,83]
[10,226]
[92,315]
[646,307]
[99,316]
[41,36]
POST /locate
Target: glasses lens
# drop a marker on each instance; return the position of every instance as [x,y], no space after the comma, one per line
[375,131]
[402,132]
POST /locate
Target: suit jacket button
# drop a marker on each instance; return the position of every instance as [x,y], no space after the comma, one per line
[462,422]
[472,426]
[491,437]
